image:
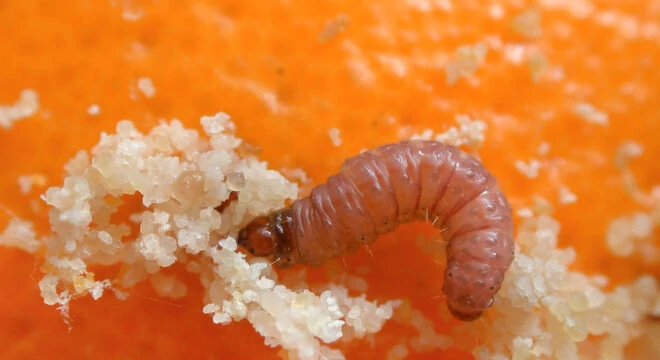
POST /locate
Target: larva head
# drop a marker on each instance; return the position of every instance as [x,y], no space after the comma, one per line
[258,237]
[270,236]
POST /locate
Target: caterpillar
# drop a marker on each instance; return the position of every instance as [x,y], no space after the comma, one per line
[393,184]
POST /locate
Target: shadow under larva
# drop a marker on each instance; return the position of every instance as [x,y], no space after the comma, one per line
[376,191]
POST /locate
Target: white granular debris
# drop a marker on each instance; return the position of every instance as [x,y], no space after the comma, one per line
[130,13]
[398,352]
[20,234]
[216,125]
[94,110]
[357,283]
[48,288]
[580,9]
[627,151]
[566,196]
[298,175]
[361,70]
[537,63]
[146,87]
[530,168]
[168,286]
[26,106]
[543,149]
[26,182]
[427,134]
[470,132]
[465,61]
[334,27]
[180,178]
[515,53]
[362,317]
[528,24]
[97,289]
[395,64]
[590,114]
[266,95]
[420,5]
[105,237]
[496,11]
[335,136]
[426,338]
[357,63]
[626,234]
[236,181]
[525,212]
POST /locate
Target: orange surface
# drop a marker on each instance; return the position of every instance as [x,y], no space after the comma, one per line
[210,56]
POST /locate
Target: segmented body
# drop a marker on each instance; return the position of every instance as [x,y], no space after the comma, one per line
[376,191]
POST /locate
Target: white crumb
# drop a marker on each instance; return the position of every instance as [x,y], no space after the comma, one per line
[130,11]
[515,53]
[334,27]
[168,286]
[394,64]
[398,352]
[465,61]
[26,106]
[20,234]
[543,149]
[627,234]
[566,196]
[146,86]
[335,137]
[26,182]
[537,63]
[590,114]
[525,212]
[627,151]
[528,24]
[426,338]
[530,168]
[298,175]
[469,132]
[94,110]
[496,11]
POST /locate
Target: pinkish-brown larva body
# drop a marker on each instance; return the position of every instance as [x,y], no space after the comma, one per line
[376,191]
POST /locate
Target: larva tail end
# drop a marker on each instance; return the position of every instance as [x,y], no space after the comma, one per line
[465,315]
[471,288]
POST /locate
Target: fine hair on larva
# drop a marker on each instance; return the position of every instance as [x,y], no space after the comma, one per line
[393,184]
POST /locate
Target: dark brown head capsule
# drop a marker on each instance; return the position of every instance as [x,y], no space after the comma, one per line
[258,237]
[269,236]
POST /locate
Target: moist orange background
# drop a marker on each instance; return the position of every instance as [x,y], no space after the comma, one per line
[262,62]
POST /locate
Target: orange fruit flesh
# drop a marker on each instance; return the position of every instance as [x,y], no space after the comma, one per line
[263,63]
